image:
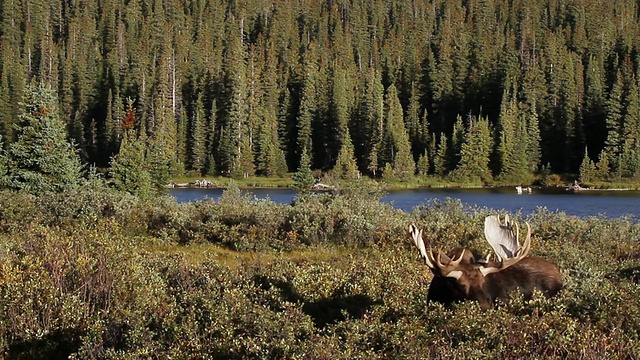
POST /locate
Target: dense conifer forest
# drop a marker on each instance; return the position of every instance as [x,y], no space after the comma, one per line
[467,89]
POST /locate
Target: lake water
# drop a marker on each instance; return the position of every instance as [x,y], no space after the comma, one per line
[584,204]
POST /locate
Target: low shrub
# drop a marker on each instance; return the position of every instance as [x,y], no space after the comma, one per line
[329,277]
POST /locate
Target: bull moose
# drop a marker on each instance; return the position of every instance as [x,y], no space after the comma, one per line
[462,275]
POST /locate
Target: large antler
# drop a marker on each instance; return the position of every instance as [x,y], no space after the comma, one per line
[501,236]
[520,254]
[449,269]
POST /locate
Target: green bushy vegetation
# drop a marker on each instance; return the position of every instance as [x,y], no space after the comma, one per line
[95,273]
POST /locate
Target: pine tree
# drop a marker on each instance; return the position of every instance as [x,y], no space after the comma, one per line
[42,159]
[423,164]
[474,153]
[396,146]
[307,110]
[595,126]
[630,156]
[270,158]
[530,118]
[198,149]
[4,179]
[128,169]
[211,166]
[303,178]
[245,163]
[235,119]
[614,118]
[587,168]
[141,166]
[440,161]
[603,167]
[345,167]
[513,142]
[340,114]
[372,125]
[455,143]
[158,165]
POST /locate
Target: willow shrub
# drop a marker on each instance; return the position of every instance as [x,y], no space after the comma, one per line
[79,278]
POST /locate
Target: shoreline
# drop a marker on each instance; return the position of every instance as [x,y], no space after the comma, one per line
[287,183]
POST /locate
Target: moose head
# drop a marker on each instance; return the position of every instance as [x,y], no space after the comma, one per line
[461,275]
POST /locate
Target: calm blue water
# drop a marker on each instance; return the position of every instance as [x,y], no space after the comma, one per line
[588,203]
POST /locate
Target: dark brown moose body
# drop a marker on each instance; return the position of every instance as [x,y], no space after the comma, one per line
[462,276]
[527,275]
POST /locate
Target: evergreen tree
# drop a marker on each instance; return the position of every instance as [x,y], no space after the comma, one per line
[369,133]
[423,164]
[397,148]
[307,110]
[245,163]
[4,180]
[440,161]
[270,159]
[345,166]
[141,167]
[457,139]
[303,178]
[128,169]
[595,127]
[198,149]
[211,166]
[587,168]
[341,115]
[603,167]
[530,118]
[157,164]
[42,159]
[313,63]
[630,156]
[614,118]
[513,143]
[235,120]
[474,153]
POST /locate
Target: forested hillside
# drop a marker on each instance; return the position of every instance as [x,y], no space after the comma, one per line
[493,89]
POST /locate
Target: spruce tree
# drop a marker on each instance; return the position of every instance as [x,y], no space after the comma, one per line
[423,164]
[141,167]
[198,129]
[397,148]
[235,109]
[441,159]
[630,160]
[372,115]
[345,166]
[128,169]
[603,167]
[303,178]
[3,167]
[308,103]
[587,168]
[614,110]
[474,153]
[211,133]
[513,142]
[42,159]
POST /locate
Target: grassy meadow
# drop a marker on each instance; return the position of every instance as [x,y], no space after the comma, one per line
[98,274]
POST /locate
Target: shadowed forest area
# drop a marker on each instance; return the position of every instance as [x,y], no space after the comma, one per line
[469,90]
